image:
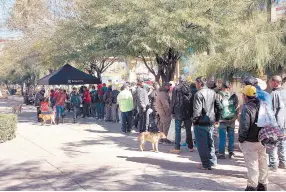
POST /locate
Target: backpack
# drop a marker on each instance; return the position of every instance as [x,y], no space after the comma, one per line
[94,97]
[228,110]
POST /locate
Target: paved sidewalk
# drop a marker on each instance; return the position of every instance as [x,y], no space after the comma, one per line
[92,155]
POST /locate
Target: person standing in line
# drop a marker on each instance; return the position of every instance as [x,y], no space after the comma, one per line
[206,113]
[229,110]
[40,96]
[107,98]
[164,110]
[141,104]
[135,118]
[94,99]
[75,103]
[125,101]
[100,103]
[114,107]
[254,152]
[152,99]
[181,109]
[60,105]
[278,95]
[86,102]
[52,100]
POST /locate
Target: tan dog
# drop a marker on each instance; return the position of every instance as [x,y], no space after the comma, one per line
[17,109]
[46,117]
[151,137]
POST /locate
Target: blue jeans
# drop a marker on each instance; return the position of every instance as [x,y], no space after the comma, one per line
[60,111]
[100,110]
[222,130]
[281,151]
[205,144]
[189,138]
[126,121]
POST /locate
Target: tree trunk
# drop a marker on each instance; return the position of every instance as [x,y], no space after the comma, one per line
[98,73]
[157,78]
[167,64]
[22,88]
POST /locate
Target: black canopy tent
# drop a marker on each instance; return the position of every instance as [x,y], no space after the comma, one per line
[68,75]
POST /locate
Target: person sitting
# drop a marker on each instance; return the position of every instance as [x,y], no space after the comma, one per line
[44,107]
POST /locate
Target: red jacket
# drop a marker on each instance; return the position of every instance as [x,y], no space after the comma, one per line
[86,97]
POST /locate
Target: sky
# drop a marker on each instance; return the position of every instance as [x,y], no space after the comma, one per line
[5,8]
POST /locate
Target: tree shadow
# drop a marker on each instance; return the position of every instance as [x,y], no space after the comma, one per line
[32,175]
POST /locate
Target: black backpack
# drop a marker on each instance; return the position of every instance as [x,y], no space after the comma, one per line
[94,97]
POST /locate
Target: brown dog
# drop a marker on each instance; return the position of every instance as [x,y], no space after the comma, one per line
[46,117]
[17,109]
[151,137]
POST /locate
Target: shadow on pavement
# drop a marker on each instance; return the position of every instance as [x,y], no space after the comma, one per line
[33,175]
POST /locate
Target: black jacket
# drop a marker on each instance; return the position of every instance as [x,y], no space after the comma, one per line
[39,98]
[152,98]
[248,130]
[181,105]
[141,98]
[206,110]
[279,106]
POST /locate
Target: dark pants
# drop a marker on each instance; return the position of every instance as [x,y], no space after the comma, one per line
[189,137]
[76,110]
[100,110]
[135,118]
[126,121]
[205,144]
[142,121]
[86,109]
[38,113]
[93,109]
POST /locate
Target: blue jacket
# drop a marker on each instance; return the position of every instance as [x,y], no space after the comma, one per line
[263,95]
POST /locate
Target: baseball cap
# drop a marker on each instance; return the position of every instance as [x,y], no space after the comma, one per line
[249,91]
[250,81]
[262,84]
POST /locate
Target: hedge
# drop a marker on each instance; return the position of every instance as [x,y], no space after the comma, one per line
[8,126]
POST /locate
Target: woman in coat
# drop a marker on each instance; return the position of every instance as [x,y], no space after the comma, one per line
[163,109]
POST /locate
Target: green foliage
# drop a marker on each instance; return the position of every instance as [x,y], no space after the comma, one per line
[228,37]
[252,45]
[8,126]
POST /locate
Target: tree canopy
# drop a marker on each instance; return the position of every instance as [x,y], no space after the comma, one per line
[227,36]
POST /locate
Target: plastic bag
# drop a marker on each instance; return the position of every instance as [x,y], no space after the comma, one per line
[183,136]
[172,133]
[266,117]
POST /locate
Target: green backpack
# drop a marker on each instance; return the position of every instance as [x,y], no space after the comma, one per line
[228,110]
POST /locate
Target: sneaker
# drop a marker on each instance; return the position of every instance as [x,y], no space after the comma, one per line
[231,155]
[175,151]
[248,188]
[221,156]
[261,187]
[200,166]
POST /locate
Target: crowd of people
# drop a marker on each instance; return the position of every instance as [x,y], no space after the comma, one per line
[211,112]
